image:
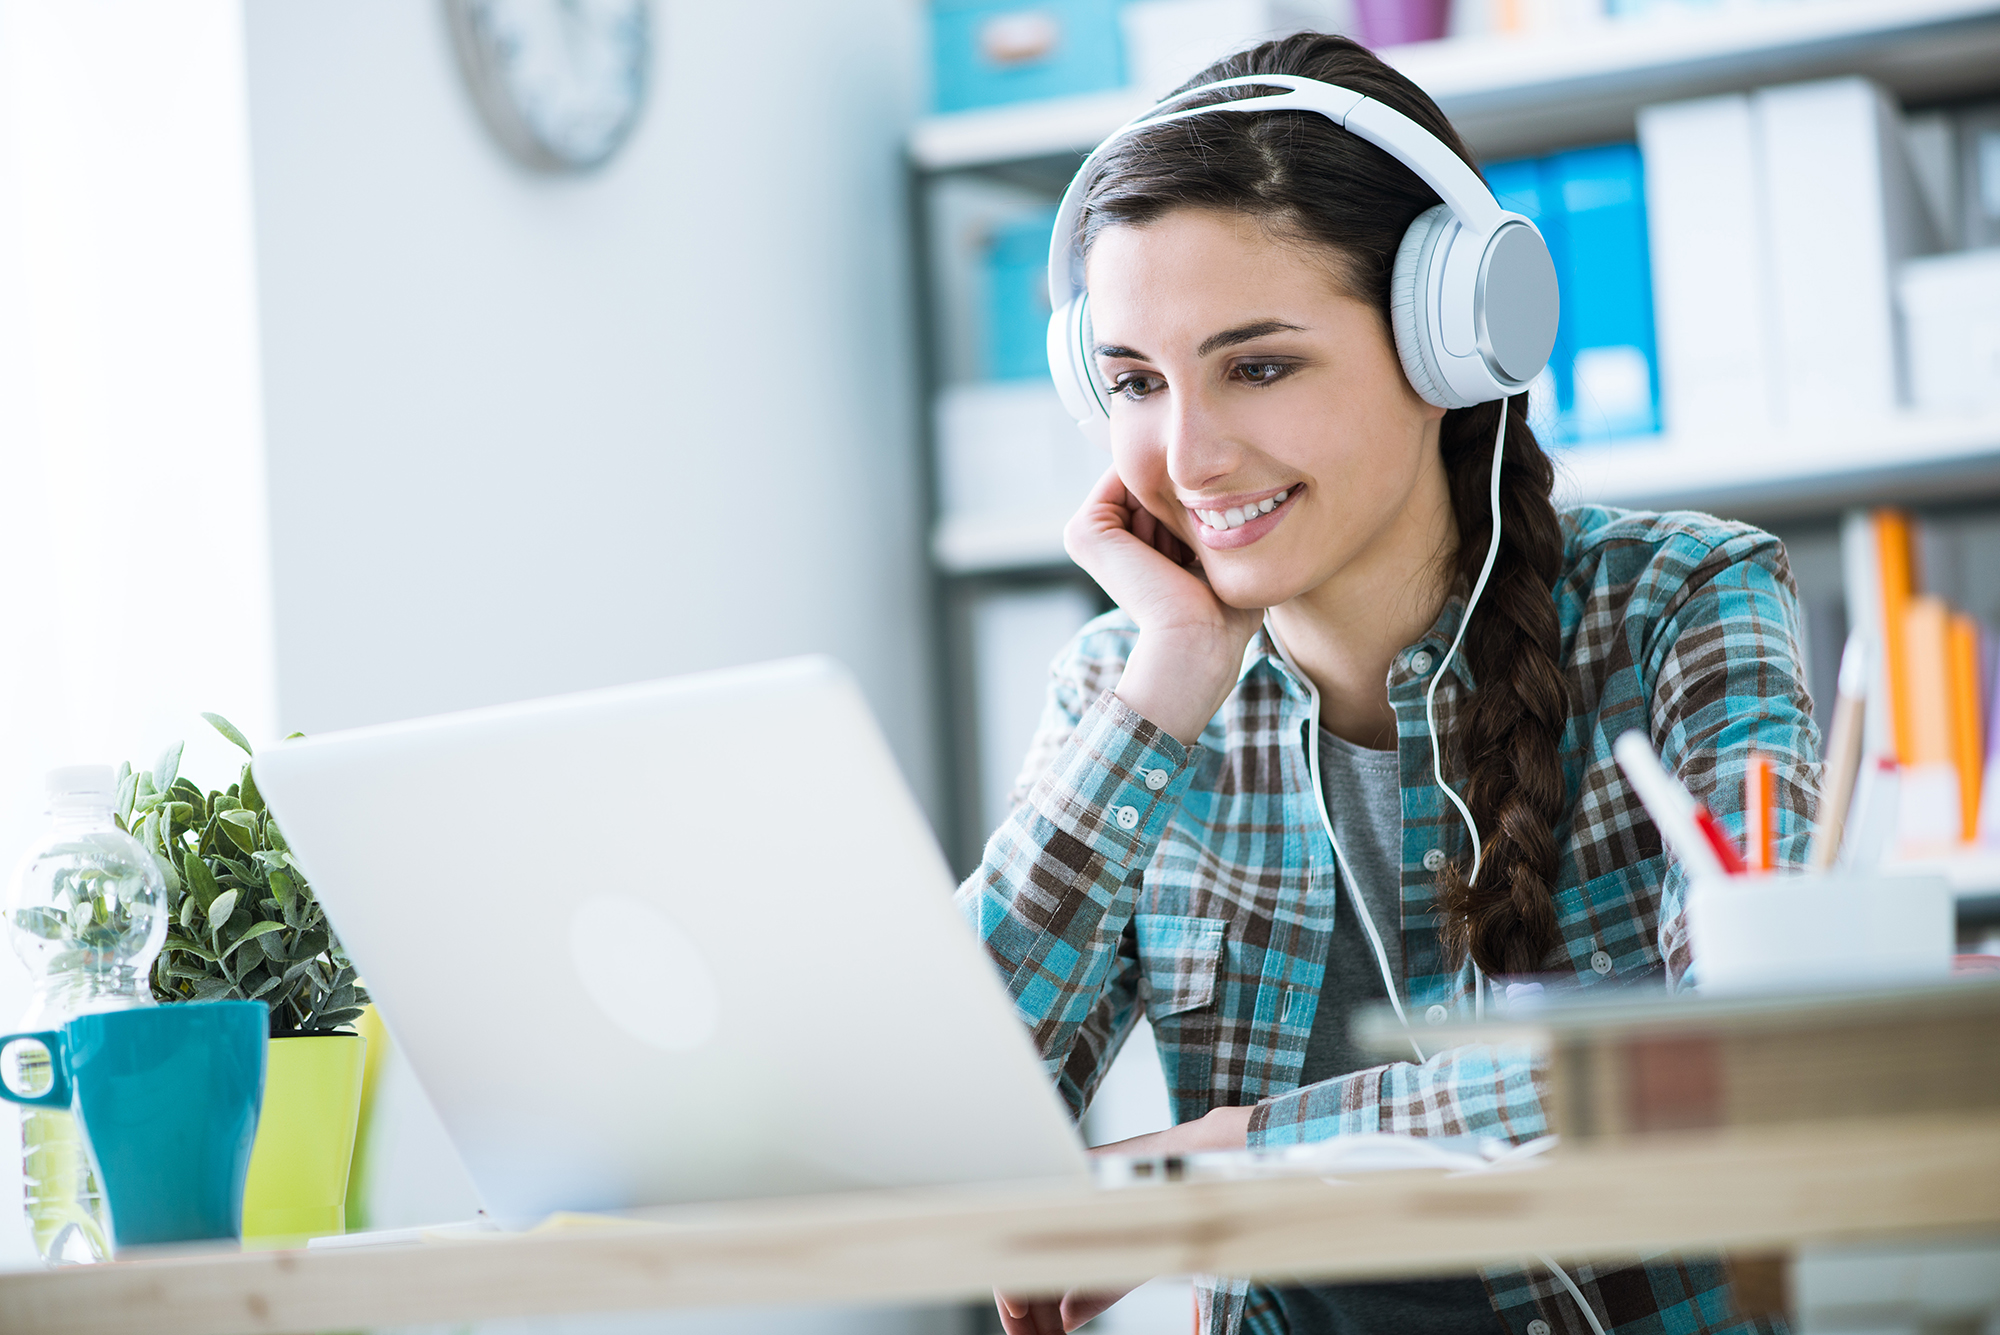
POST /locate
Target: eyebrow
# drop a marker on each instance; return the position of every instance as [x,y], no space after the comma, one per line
[1228,338]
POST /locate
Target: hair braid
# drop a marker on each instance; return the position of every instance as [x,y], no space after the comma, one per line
[1510,727]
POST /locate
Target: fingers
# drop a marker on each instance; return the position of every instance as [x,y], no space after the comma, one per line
[1110,490]
[1146,528]
[1029,1316]
[1078,1308]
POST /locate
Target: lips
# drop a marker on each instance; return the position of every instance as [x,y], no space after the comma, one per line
[1244,520]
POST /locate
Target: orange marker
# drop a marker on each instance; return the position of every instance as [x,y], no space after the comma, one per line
[1760,802]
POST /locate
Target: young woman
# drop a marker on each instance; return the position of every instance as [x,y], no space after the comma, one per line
[1291,534]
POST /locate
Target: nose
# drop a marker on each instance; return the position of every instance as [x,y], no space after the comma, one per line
[1200,449]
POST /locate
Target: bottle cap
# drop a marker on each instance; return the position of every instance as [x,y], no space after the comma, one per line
[71,787]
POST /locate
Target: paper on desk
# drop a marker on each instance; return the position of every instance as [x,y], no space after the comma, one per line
[1366,1153]
[475,1230]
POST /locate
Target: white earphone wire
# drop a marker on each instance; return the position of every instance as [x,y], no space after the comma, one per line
[1340,858]
[1430,696]
[1588,1314]
[1465,814]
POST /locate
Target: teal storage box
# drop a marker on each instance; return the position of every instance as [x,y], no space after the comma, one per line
[1016,324]
[986,53]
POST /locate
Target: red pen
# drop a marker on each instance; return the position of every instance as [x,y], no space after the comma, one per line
[1718,839]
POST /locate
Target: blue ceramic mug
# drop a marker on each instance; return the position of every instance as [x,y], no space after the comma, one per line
[167,1100]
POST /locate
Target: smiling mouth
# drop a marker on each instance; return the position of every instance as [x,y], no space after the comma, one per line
[1238,516]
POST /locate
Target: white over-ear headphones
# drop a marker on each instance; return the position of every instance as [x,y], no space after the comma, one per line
[1472,298]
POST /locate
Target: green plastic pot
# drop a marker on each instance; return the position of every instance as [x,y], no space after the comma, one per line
[305,1139]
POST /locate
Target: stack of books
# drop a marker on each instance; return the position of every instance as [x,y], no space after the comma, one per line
[1931,781]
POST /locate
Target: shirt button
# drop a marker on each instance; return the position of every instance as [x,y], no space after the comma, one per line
[1600,961]
[1420,662]
[1127,817]
[1538,1327]
[1156,779]
[1434,860]
[1437,1015]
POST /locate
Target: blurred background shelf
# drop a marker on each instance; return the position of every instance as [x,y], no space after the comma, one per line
[1519,94]
[1784,473]
[1775,475]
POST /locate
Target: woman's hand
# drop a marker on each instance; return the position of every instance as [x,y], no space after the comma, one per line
[1219,1129]
[1190,642]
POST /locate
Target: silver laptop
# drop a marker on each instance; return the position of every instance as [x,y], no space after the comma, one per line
[689,940]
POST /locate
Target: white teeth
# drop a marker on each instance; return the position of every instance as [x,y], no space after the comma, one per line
[1241,515]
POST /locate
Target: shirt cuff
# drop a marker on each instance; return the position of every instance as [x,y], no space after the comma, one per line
[1117,782]
[1343,1105]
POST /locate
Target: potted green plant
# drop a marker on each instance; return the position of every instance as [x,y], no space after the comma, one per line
[245,924]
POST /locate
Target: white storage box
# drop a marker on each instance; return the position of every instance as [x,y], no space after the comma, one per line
[1012,469]
[1167,42]
[1799,930]
[1951,324]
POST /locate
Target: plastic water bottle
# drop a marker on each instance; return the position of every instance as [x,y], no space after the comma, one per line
[88,914]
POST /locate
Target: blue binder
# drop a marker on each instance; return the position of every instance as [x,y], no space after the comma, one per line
[1609,382]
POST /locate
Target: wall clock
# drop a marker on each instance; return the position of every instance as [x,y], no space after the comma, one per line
[559,82]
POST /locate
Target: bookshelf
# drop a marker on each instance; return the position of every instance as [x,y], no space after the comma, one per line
[1515,95]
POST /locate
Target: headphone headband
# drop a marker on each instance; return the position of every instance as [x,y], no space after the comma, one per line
[1383,126]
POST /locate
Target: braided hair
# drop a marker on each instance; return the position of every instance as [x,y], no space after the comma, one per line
[1307,178]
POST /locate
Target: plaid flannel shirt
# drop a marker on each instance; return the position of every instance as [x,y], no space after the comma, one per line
[1196,885]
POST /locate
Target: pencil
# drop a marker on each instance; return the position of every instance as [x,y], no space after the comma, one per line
[1843,754]
[1759,809]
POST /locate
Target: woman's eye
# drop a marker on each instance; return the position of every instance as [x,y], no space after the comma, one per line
[1263,373]
[1136,386]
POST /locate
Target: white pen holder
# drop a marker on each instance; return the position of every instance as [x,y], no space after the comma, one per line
[1783,930]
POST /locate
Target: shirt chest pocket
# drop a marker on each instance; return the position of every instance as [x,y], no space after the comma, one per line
[1179,959]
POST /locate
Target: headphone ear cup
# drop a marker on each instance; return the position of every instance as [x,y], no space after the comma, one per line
[1069,365]
[1409,309]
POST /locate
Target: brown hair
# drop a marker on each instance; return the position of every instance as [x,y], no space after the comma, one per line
[1309,179]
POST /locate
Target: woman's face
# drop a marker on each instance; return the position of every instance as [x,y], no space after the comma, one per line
[1258,410]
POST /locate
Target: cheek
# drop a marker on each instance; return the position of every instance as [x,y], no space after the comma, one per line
[1139,459]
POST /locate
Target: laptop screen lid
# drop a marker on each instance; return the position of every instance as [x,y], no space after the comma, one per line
[680,941]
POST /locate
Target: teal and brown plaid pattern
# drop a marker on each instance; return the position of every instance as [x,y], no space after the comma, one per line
[1196,885]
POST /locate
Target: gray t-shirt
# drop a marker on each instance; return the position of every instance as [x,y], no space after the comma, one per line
[1364,795]
[1365,798]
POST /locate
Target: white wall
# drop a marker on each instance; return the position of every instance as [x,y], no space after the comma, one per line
[534,434]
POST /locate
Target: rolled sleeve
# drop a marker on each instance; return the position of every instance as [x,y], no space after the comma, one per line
[1477,1089]
[1055,890]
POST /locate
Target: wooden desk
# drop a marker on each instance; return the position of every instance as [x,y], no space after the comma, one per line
[1753,1188]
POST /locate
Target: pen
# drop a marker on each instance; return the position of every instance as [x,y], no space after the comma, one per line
[1843,754]
[1672,808]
